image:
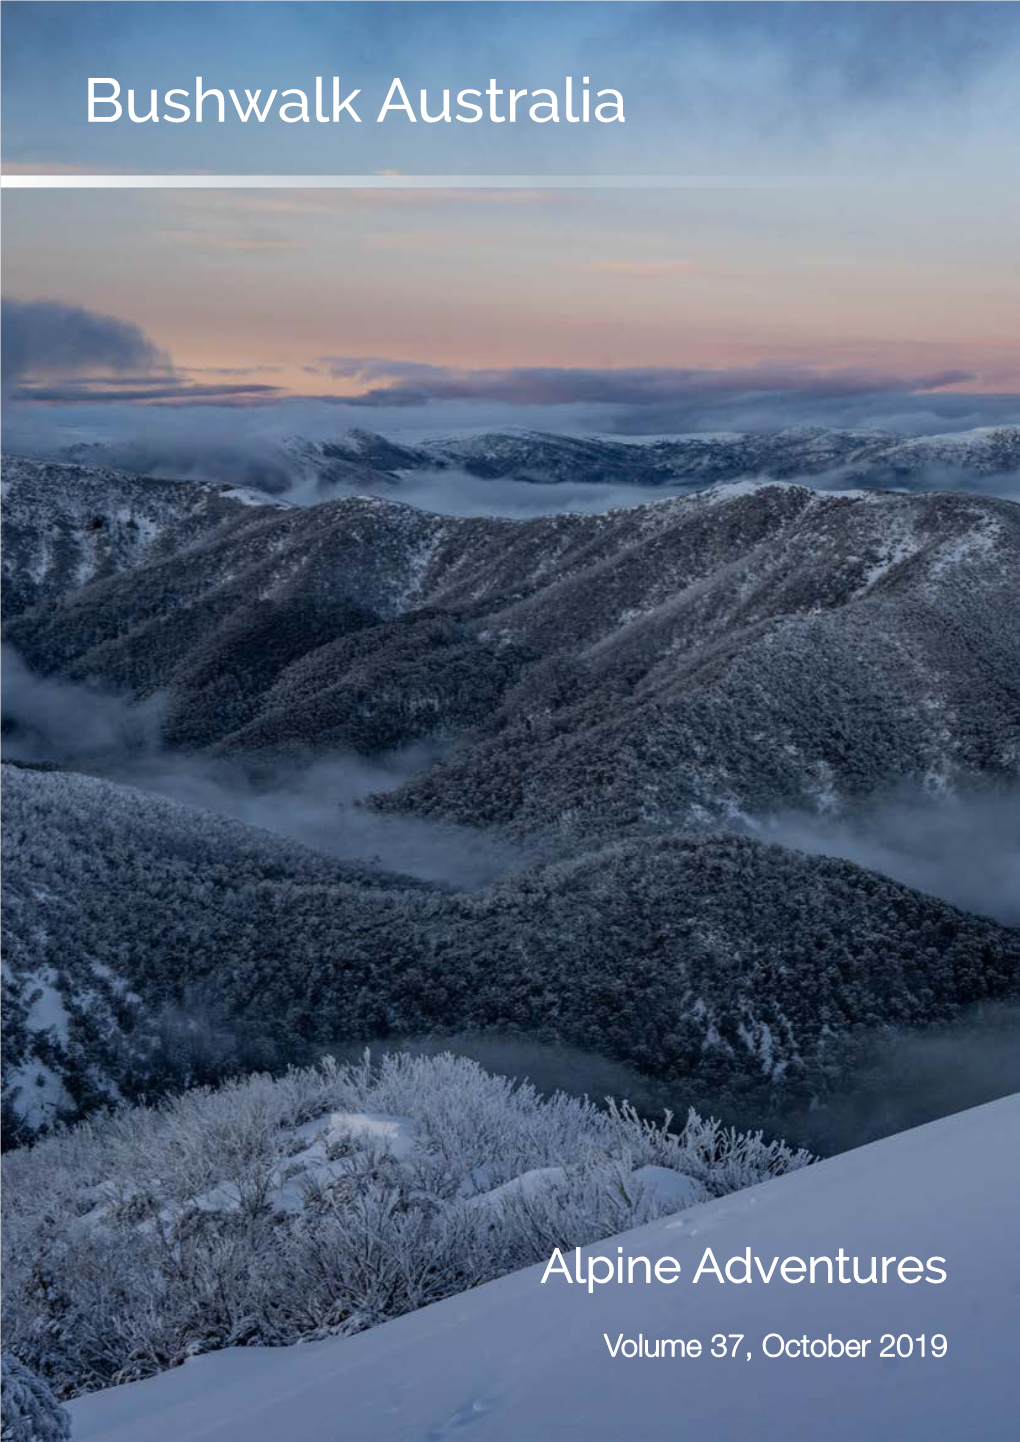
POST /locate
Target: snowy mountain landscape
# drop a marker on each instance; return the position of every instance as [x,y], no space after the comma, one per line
[716,788]
[510,727]
[359,459]
[616,705]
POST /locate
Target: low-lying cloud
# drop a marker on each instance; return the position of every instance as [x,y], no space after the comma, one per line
[254,408]
[47,719]
[319,804]
[451,492]
[1003,484]
[964,848]
[314,801]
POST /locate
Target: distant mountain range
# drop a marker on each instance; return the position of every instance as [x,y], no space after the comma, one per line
[361,459]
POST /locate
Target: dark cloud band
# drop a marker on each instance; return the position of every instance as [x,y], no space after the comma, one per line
[408,383]
[46,338]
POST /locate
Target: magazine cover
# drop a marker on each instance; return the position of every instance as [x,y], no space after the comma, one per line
[511,721]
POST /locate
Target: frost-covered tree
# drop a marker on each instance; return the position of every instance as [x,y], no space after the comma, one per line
[29,1412]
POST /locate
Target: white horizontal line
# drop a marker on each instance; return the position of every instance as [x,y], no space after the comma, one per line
[422,182]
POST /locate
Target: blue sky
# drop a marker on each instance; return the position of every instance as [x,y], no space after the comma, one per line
[709,87]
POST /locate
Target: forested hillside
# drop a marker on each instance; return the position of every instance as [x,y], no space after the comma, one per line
[668,665]
[149,944]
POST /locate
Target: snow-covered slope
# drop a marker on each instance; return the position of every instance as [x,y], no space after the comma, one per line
[746,647]
[345,1196]
[66,525]
[985,450]
[516,1361]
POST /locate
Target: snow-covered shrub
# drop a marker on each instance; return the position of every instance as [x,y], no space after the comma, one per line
[266,1211]
[29,1412]
[721,1158]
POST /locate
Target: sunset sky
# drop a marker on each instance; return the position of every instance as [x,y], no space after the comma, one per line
[889,268]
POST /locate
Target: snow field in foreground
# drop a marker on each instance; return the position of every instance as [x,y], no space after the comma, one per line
[517,1360]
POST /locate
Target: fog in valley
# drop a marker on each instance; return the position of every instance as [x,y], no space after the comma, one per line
[962,846]
[455,493]
[316,801]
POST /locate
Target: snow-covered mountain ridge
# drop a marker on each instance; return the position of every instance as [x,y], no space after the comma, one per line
[723,652]
[361,459]
[66,525]
[858,457]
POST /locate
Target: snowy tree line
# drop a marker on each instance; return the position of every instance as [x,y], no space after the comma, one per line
[323,1202]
